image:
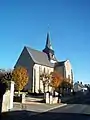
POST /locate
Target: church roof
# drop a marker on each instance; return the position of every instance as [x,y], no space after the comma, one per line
[60,63]
[39,57]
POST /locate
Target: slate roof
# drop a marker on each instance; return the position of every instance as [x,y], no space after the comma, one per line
[60,63]
[80,85]
[39,57]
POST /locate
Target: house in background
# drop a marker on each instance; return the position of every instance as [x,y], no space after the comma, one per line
[37,62]
[79,87]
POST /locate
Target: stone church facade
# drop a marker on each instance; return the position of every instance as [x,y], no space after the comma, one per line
[37,62]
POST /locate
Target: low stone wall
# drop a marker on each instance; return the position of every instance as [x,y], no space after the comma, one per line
[6,101]
[55,100]
[52,100]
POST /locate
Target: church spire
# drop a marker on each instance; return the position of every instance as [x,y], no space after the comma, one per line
[48,43]
[48,50]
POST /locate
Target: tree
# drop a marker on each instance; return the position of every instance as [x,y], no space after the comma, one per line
[69,83]
[56,79]
[5,77]
[66,84]
[44,77]
[4,85]
[1,75]
[55,82]
[20,77]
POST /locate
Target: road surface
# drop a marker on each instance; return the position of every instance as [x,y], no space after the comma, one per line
[76,110]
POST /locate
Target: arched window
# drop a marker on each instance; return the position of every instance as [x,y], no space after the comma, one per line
[44,70]
[68,76]
[72,74]
[47,70]
[40,72]
[40,69]
[34,79]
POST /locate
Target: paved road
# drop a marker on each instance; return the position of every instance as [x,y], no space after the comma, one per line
[35,107]
[76,110]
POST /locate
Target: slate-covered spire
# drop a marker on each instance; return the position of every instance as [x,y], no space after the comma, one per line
[48,43]
[48,49]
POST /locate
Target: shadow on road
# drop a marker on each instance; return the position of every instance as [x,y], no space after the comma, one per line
[81,99]
[22,115]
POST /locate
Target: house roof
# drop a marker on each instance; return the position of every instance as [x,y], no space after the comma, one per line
[80,85]
[39,57]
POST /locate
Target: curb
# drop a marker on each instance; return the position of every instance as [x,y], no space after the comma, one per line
[27,103]
[55,107]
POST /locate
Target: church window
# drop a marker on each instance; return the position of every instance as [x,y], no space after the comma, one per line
[44,70]
[68,76]
[40,69]
[71,74]
[34,79]
[47,70]
[40,72]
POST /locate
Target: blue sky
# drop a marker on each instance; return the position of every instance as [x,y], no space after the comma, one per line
[25,22]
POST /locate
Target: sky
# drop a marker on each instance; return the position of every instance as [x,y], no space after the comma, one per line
[26,23]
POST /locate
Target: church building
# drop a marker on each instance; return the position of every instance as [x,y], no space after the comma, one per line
[37,62]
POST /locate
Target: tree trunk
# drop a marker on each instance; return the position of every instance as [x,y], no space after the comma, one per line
[52,91]
[48,88]
[63,91]
[59,91]
[59,94]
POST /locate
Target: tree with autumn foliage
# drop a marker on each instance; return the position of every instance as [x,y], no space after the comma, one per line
[20,77]
[56,79]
